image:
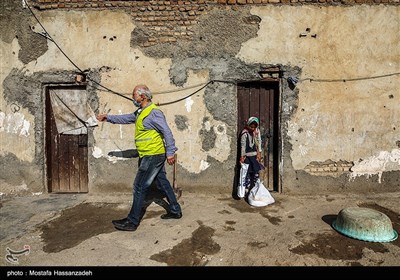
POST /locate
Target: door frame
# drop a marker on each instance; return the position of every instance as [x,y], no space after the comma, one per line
[46,103]
[275,85]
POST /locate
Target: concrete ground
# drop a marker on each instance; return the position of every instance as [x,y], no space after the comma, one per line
[215,230]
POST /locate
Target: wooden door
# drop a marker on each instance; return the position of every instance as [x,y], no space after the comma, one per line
[66,155]
[261,99]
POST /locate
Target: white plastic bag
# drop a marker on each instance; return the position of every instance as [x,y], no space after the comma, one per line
[259,195]
[242,177]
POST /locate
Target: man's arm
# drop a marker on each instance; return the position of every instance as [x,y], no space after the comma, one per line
[117,119]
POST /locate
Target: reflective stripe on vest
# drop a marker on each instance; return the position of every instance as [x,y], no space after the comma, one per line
[148,142]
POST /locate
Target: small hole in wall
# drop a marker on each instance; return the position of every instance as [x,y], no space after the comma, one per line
[391,96]
[352,129]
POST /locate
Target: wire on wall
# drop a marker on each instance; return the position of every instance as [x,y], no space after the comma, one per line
[292,80]
[351,79]
[48,36]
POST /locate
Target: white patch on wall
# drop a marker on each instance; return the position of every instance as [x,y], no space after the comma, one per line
[303,150]
[207,125]
[120,127]
[311,134]
[114,159]
[204,165]
[222,143]
[97,153]
[293,129]
[2,117]
[376,165]
[25,128]
[14,123]
[188,104]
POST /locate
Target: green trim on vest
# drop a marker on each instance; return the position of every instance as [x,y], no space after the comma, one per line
[148,142]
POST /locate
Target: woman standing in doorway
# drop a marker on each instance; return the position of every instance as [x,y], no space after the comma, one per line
[250,151]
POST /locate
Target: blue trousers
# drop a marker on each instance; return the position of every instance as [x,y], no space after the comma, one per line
[151,168]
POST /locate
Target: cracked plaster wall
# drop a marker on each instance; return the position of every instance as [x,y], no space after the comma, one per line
[313,126]
[338,121]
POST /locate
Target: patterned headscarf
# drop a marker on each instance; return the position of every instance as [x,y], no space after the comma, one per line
[253,119]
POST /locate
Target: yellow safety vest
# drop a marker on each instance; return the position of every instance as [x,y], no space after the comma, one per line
[148,142]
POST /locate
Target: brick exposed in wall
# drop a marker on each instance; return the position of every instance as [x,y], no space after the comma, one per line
[178,16]
[328,168]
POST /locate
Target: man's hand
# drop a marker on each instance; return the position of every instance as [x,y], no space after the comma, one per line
[171,160]
[242,159]
[101,117]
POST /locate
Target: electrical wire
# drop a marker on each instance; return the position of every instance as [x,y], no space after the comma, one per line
[47,35]
[351,79]
[183,98]
[70,60]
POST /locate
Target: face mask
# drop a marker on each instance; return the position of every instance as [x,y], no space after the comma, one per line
[137,104]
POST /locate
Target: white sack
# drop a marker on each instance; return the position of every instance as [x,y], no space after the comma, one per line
[259,195]
[242,177]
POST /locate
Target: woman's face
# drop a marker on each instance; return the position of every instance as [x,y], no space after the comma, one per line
[252,126]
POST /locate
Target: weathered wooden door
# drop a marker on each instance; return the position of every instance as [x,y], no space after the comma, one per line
[66,155]
[261,99]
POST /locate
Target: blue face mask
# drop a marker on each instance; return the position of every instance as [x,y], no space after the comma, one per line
[137,104]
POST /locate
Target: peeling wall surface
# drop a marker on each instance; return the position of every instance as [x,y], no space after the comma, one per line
[338,125]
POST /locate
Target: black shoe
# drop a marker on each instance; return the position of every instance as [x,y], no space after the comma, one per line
[170,215]
[124,220]
[124,224]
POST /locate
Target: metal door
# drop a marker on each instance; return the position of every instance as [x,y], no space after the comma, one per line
[261,99]
[66,155]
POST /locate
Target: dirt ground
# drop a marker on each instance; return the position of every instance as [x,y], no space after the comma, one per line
[215,231]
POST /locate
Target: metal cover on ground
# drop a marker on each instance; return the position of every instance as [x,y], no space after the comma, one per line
[365,224]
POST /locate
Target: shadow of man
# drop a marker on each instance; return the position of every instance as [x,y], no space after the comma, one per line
[131,153]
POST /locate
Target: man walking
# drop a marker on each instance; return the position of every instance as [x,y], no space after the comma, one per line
[155,145]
